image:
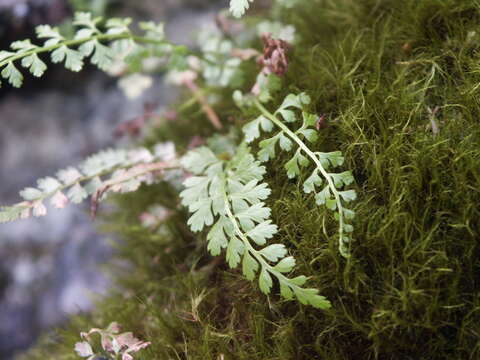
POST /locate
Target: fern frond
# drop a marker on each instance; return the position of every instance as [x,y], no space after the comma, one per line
[327,186]
[228,196]
[239,7]
[108,171]
[102,46]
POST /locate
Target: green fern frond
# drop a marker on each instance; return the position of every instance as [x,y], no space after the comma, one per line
[102,46]
[109,171]
[327,186]
[239,7]
[228,196]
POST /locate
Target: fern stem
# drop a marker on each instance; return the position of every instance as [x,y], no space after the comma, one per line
[76,42]
[314,158]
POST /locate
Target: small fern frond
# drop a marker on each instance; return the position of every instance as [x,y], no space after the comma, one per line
[109,171]
[228,196]
[239,7]
[102,46]
[327,186]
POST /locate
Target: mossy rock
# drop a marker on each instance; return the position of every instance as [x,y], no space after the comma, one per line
[411,289]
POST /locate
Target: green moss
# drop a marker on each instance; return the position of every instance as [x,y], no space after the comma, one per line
[411,289]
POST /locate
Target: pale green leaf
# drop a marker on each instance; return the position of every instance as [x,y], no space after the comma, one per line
[274,252]
[265,281]
[288,115]
[299,280]
[267,147]
[324,195]
[252,129]
[73,59]
[235,249]
[312,181]
[202,214]
[153,29]
[349,214]
[217,236]
[84,33]
[11,73]
[48,32]
[342,179]
[93,185]
[295,101]
[285,265]
[196,188]
[348,195]
[249,266]
[239,7]
[85,19]
[286,291]
[30,194]
[117,26]
[310,134]
[331,204]
[285,143]
[311,297]
[333,158]
[36,66]
[77,194]
[103,56]
[86,49]
[292,167]
[48,184]
[262,232]
[199,160]
[22,46]
[4,55]
[69,175]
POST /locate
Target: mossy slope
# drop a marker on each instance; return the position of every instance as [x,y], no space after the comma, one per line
[411,289]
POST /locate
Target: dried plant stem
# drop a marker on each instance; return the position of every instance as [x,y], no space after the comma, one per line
[197,94]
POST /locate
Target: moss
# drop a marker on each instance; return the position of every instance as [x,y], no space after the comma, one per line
[411,289]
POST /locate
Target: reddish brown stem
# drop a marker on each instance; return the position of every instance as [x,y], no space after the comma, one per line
[211,114]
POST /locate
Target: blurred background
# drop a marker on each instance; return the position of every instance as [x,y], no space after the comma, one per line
[51,267]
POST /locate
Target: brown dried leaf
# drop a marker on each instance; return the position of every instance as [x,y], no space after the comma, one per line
[274,59]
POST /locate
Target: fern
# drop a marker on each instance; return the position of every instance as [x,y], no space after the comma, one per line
[108,171]
[239,7]
[228,196]
[327,186]
[102,47]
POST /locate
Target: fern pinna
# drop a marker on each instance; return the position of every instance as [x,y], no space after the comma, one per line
[228,196]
